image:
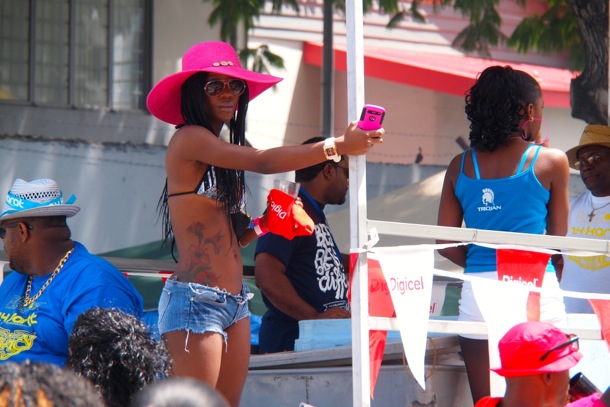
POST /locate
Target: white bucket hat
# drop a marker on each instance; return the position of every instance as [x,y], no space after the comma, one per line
[37,198]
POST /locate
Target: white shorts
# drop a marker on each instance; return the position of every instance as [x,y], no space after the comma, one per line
[552,308]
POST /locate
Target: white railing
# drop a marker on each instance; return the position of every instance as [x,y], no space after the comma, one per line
[362,322]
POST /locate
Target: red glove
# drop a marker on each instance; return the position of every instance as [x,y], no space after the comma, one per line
[286,219]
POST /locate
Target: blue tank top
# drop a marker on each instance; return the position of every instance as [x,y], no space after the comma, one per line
[513,204]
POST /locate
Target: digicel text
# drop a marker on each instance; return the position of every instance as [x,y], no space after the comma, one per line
[521,281]
[279,210]
[407,285]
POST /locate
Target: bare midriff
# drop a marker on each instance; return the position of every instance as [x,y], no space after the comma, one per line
[208,252]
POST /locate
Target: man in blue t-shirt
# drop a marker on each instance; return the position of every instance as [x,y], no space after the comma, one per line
[304,278]
[54,278]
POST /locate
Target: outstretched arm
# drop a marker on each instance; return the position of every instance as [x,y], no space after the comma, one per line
[197,144]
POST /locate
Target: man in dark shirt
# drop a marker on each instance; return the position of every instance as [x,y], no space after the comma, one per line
[304,278]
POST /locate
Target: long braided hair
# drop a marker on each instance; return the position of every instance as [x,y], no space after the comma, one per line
[496,105]
[230,183]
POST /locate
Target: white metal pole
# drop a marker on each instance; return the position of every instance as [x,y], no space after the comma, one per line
[357,193]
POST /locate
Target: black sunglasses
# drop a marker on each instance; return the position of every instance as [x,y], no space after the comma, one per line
[12,225]
[217,86]
[572,342]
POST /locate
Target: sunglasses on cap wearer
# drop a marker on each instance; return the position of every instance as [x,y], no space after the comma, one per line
[12,225]
[572,342]
[217,86]
[593,160]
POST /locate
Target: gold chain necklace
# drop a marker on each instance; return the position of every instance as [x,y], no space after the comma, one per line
[27,300]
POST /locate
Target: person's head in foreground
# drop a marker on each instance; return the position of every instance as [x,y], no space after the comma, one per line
[30,384]
[117,353]
[536,358]
[178,392]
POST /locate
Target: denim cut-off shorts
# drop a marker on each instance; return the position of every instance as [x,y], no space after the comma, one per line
[197,308]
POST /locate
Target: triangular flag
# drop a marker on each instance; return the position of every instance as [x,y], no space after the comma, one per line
[602,310]
[502,306]
[377,340]
[411,289]
[380,301]
[353,259]
[527,268]
[380,305]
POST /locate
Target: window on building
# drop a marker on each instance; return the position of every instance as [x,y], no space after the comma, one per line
[89,54]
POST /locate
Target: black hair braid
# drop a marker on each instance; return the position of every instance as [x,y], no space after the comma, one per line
[495,105]
[230,183]
[163,215]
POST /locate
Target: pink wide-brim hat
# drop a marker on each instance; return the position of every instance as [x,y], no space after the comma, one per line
[164,100]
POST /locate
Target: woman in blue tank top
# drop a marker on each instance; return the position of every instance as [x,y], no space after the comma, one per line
[503,182]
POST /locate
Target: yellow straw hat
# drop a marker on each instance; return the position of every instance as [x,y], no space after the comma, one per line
[593,134]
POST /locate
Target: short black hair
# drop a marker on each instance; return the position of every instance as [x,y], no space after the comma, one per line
[309,173]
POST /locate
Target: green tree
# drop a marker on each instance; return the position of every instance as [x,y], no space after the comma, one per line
[231,15]
[577,27]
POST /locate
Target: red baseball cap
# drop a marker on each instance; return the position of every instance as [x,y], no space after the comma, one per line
[522,347]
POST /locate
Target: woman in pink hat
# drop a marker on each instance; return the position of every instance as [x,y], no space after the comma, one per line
[203,310]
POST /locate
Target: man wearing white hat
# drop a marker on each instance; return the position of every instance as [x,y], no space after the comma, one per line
[54,278]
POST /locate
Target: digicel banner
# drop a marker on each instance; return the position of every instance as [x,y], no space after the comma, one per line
[392,286]
[525,268]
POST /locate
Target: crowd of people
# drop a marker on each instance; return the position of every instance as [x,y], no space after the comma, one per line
[71,322]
